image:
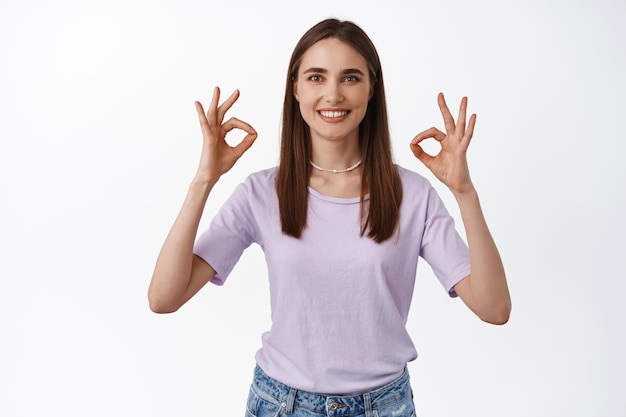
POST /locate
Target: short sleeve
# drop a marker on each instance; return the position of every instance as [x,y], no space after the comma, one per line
[442,246]
[231,231]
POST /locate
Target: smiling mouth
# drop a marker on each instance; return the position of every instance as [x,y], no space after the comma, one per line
[333,114]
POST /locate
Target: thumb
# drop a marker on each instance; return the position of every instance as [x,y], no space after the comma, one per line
[419,153]
[245,143]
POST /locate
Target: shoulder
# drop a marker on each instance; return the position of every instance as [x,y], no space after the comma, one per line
[255,194]
[258,187]
[252,188]
[420,196]
[412,181]
[417,192]
[261,180]
[268,174]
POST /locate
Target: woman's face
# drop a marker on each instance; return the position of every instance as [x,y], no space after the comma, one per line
[333,89]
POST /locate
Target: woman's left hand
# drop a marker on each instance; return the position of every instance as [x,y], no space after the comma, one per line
[450,164]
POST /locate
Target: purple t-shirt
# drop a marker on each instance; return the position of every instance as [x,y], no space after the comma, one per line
[339,301]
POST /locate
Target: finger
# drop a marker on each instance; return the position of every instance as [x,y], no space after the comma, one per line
[212,110]
[433,133]
[223,108]
[470,130]
[460,122]
[245,144]
[204,124]
[421,155]
[448,120]
[247,141]
[200,110]
[234,123]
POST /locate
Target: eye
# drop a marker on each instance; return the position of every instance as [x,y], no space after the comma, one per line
[352,79]
[315,78]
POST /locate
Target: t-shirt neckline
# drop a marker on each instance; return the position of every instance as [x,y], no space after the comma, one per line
[336,200]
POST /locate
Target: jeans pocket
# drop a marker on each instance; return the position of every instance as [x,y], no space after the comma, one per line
[403,408]
[269,409]
[252,404]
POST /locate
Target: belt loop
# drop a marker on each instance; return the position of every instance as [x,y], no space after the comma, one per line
[368,405]
[291,399]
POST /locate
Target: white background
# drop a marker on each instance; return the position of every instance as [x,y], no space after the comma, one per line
[99,140]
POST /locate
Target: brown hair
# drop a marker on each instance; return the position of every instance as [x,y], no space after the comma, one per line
[379,176]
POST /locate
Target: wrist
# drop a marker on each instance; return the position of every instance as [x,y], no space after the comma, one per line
[202,184]
[466,195]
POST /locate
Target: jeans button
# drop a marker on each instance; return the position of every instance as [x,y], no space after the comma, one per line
[335,406]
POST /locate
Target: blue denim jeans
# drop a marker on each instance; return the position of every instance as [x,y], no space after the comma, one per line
[270,398]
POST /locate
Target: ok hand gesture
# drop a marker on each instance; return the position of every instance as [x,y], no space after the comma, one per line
[217,155]
[450,164]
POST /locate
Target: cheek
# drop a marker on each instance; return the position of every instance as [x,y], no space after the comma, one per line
[306,105]
[362,96]
[363,100]
[307,112]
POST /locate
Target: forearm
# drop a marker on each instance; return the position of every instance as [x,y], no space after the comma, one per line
[488,294]
[172,272]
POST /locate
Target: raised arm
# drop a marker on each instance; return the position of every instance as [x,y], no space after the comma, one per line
[178,273]
[485,291]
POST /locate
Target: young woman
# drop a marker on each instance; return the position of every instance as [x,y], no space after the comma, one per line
[342,229]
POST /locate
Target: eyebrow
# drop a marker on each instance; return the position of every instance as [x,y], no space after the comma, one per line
[325,71]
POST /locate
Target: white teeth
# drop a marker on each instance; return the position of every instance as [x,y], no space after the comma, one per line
[333,114]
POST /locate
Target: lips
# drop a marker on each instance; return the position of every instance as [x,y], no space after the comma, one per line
[333,114]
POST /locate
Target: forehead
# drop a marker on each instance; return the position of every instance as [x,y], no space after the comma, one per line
[332,54]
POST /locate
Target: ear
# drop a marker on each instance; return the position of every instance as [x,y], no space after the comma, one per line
[295,89]
[371,93]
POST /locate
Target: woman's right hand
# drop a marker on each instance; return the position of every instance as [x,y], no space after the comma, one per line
[178,273]
[217,155]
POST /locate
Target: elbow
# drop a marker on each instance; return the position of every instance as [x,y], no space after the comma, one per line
[161,308]
[497,320]
[159,305]
[497,316]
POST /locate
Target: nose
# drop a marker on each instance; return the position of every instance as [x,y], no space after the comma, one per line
[332,92]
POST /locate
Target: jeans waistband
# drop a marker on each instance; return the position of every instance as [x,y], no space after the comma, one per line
[336,405]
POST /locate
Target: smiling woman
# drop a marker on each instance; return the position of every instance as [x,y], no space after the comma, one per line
[335,67]
[333,92]
[342,228]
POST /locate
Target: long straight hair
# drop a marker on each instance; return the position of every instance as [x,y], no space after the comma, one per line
[379,175]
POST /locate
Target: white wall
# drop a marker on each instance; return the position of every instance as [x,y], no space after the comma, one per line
[99,140]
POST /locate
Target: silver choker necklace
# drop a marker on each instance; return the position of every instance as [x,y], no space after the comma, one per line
[336,171]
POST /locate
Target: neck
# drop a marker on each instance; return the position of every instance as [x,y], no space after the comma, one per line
[338,147]
[342,184]
[335,158]
[336,171]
